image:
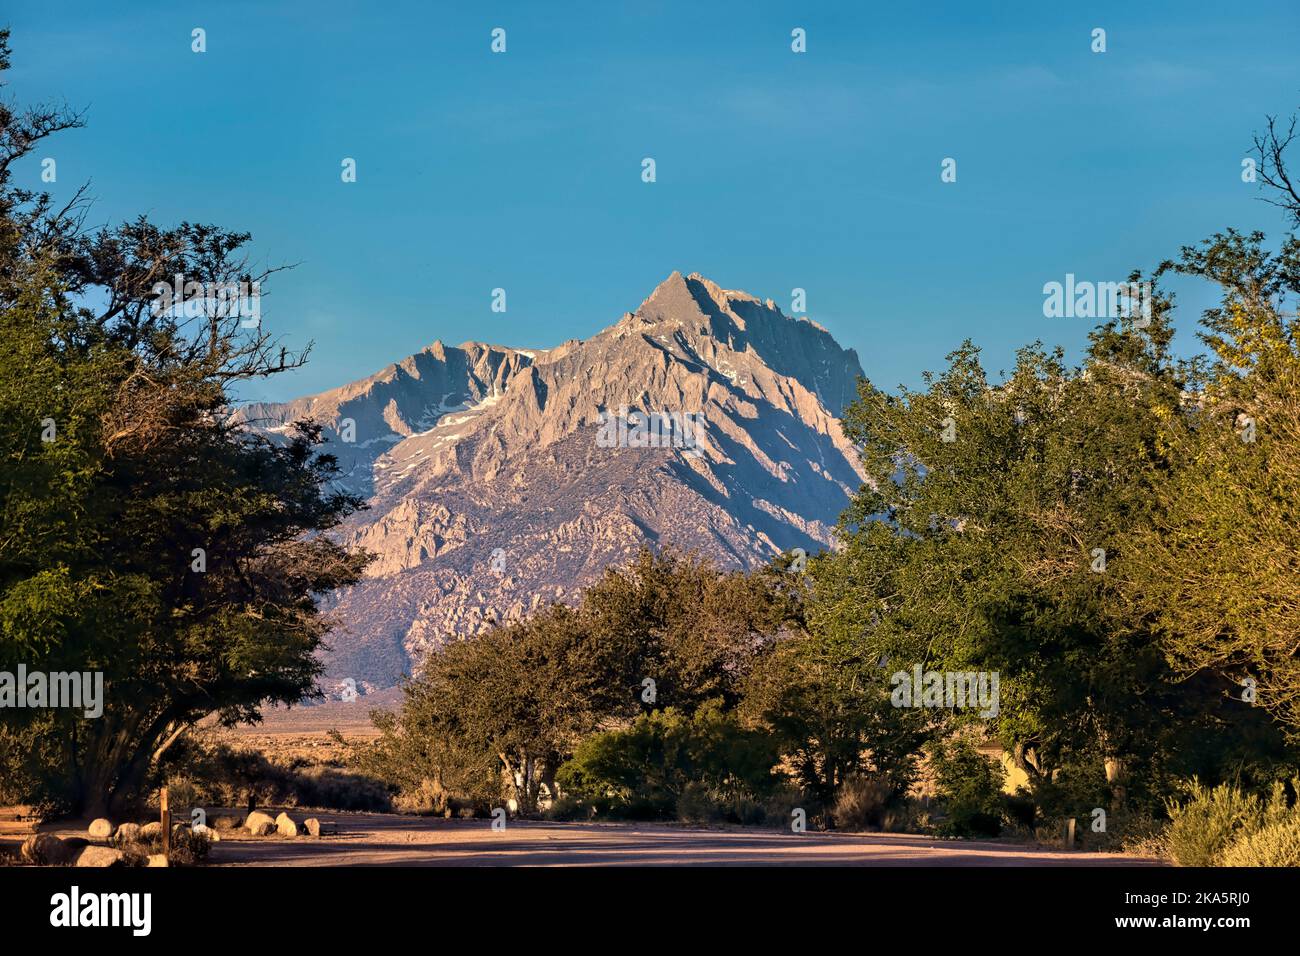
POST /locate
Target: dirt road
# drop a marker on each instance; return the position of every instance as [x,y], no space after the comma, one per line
[381,839]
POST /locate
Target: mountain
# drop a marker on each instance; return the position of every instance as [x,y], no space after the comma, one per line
[494,491]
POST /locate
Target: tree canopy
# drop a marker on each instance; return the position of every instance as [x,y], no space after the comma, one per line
[143,535]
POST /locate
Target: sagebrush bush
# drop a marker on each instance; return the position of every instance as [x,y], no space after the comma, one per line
[189,847]
[1209,820]
[782,802]
[1276,844]
[1128,830]
[333,789]
[566,809]
[700,804]
[861,803]
[697,805]
[206,774]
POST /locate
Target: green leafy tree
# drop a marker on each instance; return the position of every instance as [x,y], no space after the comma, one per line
[1219,568]
[829,710]
[969,785]
[647,767]
[142,535]
[513,703]
[993,534]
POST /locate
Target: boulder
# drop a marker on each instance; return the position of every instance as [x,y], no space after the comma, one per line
[127,833]
[285,825]
[312,826]
[100,856]
[151,831]
[45,849]
[227,822]
[259,824]
[156,859]
[207,833]
[101,829]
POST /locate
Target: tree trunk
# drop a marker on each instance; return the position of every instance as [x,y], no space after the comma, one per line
[1116,773]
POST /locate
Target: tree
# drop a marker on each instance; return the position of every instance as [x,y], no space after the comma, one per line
[690,628]
[997,520]
[830,713]
[1218,568]
[142,535]
[646,767]
[1271,147]
[516,701]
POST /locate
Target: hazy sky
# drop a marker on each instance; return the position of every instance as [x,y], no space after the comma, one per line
[775,170]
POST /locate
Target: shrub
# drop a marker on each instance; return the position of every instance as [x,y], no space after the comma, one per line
[189,847]
[698,805]
[1226,826]
[567,808]
[332,789]
[861,803]
[1021,810]
[782,802]
[970,788]
[644,770]
[426,798]
[206,774]
[1128,830]
[1071,790]
[701,804]
[1208,821]
[1277,844]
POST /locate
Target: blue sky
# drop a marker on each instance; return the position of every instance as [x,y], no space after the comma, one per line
[775,170]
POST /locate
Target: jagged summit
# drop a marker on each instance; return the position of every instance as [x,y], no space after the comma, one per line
[695,307]
[462,450]
[706,295]
[680,298]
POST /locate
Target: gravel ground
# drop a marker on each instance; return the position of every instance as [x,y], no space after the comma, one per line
[388,839]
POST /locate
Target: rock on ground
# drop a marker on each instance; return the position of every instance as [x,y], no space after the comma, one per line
[285,825]
[312,826]
[45,849]
[101,829]
[100,856]
[127,833]
[259,824]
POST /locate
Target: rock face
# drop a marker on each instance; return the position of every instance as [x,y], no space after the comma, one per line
[493,491]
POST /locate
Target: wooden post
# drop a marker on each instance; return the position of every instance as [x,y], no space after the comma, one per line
[1069,834]
[166,813]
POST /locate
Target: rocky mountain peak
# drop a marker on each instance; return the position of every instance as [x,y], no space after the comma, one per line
[498,482]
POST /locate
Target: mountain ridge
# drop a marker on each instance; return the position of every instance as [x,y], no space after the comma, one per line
[490,495]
